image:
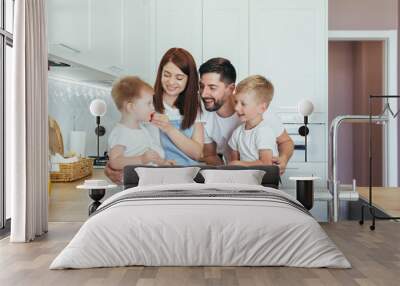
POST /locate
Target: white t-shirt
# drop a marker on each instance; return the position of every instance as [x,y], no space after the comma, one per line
[219,129]
[136,141]
[249,142]
[172,112]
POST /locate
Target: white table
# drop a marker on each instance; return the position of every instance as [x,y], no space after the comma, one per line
[96,193]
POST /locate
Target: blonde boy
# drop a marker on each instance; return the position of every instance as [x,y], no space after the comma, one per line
[253,142]
[131,142]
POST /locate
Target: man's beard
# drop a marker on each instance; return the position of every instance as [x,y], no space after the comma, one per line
[217,104]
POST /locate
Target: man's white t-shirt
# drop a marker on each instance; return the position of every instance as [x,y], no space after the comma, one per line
[249,142]
[136,141]
[219,129]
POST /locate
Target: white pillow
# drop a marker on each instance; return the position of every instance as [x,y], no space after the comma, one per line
[164,176]
[249,177]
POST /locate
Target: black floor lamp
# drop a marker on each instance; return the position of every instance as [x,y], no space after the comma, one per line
[98,108]
[305,108]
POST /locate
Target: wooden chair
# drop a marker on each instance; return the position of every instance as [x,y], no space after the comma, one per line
[56,144]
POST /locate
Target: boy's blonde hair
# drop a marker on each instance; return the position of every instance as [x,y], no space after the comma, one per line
[262,87]
[128,88]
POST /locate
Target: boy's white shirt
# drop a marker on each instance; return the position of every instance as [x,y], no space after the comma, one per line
[136,141]
[249,142]
[219,129]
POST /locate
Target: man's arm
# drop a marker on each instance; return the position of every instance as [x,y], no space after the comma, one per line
[113,174]
[265,156]
[285,149]
[210,154]
[233,155]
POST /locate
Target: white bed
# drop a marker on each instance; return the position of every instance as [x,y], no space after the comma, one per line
[222,225]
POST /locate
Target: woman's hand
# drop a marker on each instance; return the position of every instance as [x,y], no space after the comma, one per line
[162,121]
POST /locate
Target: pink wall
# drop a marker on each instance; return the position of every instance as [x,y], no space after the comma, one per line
[355,71]
[368,79]
[340,86]
[363,14]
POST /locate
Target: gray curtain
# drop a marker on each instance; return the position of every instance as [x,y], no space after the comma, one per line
[27,148]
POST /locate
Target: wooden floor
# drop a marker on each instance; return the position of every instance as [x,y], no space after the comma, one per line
[69,204]
[374,255]
[386,199]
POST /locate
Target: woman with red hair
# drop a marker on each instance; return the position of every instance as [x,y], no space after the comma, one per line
[177,103]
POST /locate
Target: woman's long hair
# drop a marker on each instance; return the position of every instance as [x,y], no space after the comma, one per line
[188,101]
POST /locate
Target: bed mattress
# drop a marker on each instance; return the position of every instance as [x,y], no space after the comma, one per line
[201,225]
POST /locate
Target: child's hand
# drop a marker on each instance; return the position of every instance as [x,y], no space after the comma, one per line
[151,156]
[162,121]
[168,163]
[235,163]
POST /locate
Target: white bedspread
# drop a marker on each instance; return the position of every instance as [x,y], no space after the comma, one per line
[181,231]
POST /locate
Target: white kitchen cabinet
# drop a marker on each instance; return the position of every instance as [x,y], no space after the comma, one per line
[88,32]
[68,27]
[284,40]
[106,35]
[178,23]
[288,45]
[138,38]
[225,32]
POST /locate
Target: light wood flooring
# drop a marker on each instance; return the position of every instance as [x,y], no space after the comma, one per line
[386,199]
[374,255]
[69,204]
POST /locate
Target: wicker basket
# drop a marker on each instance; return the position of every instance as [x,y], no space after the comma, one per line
[73,171]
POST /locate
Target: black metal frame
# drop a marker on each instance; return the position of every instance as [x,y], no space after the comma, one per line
[369,205]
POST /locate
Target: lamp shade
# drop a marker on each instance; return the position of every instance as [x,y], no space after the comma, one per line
[305,107]
[98,107]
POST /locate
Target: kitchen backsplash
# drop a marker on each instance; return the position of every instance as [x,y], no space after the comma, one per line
[69,104]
